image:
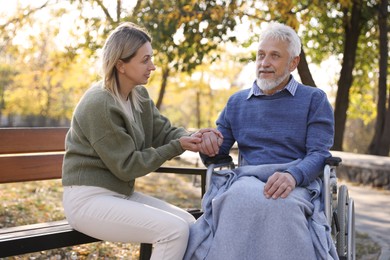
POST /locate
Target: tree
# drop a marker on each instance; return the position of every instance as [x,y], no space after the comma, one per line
[6,79]
[203,25]
[346,30]
[352,27]
[380,143]
[8,31]
[185,32]
[47,89]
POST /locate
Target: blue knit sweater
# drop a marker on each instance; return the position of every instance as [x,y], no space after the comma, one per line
[280,128]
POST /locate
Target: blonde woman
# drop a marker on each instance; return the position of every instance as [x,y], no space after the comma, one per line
[116,136]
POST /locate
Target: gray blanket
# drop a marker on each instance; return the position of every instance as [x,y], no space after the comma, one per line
[208,242]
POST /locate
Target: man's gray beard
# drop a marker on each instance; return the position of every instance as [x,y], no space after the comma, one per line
[270,84]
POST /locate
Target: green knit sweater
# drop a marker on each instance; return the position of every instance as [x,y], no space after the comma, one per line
[104,148]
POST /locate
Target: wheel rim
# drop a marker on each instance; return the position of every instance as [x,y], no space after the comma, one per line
[351,250]
[342,215]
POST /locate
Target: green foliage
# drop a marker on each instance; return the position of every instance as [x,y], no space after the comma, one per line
[185,32]
[7,75]
[45,74]
[52,82]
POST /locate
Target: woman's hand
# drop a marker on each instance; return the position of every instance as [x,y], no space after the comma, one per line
[190,143]
[206,141]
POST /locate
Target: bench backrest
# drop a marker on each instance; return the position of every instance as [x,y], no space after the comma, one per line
[30,154]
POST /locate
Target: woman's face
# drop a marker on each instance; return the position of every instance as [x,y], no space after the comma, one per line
[137,71]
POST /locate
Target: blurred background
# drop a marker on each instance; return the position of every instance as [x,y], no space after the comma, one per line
[204,51]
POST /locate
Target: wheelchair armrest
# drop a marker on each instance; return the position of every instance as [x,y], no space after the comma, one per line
[218,160]
[333,161]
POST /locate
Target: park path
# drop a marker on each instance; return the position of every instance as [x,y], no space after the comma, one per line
[372,214]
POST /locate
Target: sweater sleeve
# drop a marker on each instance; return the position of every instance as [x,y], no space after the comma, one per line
[319,140]
[223,125]
[122,145]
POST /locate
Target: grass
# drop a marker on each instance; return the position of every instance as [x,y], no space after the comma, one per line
[34,202]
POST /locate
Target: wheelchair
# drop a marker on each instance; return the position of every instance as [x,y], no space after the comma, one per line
[339,208]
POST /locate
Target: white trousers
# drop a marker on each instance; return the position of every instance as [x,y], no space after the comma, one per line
[138,218]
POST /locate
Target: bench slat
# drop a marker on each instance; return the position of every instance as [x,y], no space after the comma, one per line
[35,139]
[30,167]
[38,237]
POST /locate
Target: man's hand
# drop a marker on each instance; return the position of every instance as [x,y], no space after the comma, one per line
[206,141]
[211,141]
[279,185]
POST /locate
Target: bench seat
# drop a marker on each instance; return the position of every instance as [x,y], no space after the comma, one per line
[50,235]
[38,237]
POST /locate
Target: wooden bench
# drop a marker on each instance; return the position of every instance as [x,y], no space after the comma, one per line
[34,154]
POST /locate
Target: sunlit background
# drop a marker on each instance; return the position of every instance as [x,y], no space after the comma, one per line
[204,51]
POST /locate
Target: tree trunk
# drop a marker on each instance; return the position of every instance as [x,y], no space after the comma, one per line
[304,71]
[352,29]
[198,114]
[164,80]
[380,143]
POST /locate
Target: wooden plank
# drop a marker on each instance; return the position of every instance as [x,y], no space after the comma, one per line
[35,139]
[38,237]
[30,167]
[44,166]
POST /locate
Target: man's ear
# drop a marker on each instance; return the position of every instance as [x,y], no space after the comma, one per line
[119,66]
[294,63]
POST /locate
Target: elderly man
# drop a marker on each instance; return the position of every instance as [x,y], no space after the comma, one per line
[269,212]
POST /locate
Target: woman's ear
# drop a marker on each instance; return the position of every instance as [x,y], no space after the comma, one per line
[119,66]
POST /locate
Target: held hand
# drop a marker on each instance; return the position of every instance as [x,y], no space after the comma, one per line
[215,131]
[211,141]
[190,143]
[279,185]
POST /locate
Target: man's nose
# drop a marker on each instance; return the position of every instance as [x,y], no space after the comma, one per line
[265,62]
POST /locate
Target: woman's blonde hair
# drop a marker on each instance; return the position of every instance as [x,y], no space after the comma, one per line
[122,44]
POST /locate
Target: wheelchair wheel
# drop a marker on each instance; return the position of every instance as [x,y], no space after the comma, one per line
[342,216]
[351,250]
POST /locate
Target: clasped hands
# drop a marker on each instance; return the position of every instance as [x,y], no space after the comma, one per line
[206,141]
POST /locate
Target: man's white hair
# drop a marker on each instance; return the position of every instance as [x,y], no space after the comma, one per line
[282,32]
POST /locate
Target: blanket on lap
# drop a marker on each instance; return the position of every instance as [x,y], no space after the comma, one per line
[202,232]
